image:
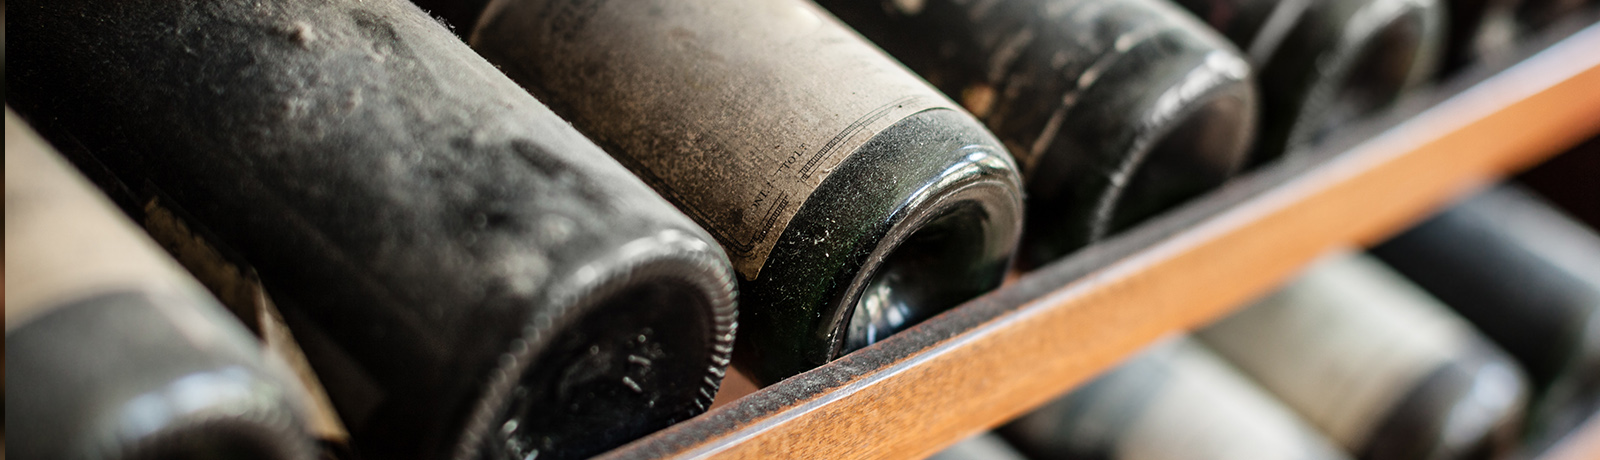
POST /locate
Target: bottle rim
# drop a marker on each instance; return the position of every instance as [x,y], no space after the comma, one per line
[701,282]
[1350,71]
[970,215]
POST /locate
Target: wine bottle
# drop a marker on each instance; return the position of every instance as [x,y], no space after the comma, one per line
[1175,400]
[984,446]
[853,199]
[468,275]
[1479,30]
[1115,109]
[1534,15]
[1379,366]
[1488,30]
[1323,63]
[1529,278]
[118,352]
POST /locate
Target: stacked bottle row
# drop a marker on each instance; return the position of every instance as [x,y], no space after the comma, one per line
[471,270]
[1471,336]
[467,274]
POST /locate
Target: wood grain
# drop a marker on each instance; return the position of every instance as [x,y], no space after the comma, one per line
[1014,349]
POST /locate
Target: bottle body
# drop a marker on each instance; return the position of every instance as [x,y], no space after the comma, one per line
[1534,15]
[825,169]
[1323,63]
[984,446]
[1376,364]
[1115,110]
[1175,400]
[114,351]
[468,275]
[1479,29]
[1529,278]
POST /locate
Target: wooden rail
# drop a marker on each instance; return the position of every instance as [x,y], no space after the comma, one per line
[1582,444]
[1011,350]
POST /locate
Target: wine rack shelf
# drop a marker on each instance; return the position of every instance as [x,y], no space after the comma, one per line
[1045,332]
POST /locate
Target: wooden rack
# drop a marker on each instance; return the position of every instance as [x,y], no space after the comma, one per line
[1014,349]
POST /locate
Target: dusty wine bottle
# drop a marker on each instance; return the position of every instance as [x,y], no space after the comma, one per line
[1174,401]
[1114,109]
[468,275]
[1379,366]
[1529,278]
[853,199]
[1322,63]
[118,353]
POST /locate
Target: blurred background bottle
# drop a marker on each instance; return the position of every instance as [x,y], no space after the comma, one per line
[1533,15]
[1489,30]
[1479,30]
[1529,278]
[1175,400]
[1322,63]
[984,446]
[466,273]
[1386,371]
[1115,109]
[117,353]
[853,199]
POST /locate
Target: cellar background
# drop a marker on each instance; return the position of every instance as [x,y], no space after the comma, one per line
[1045,332]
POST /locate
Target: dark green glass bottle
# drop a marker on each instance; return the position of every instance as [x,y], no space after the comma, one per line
[1322,63]
[1529,278]
[1115,109]
[113,351]
[1383,369]
[468,275]
[853,199]
[1176,400]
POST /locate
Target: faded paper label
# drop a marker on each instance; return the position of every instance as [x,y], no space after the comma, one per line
[1342,344]
[735,111]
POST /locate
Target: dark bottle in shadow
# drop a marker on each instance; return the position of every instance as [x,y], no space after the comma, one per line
[1323,63]
[1529,278]
[1381,367]
[1115,109]
[467,274]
